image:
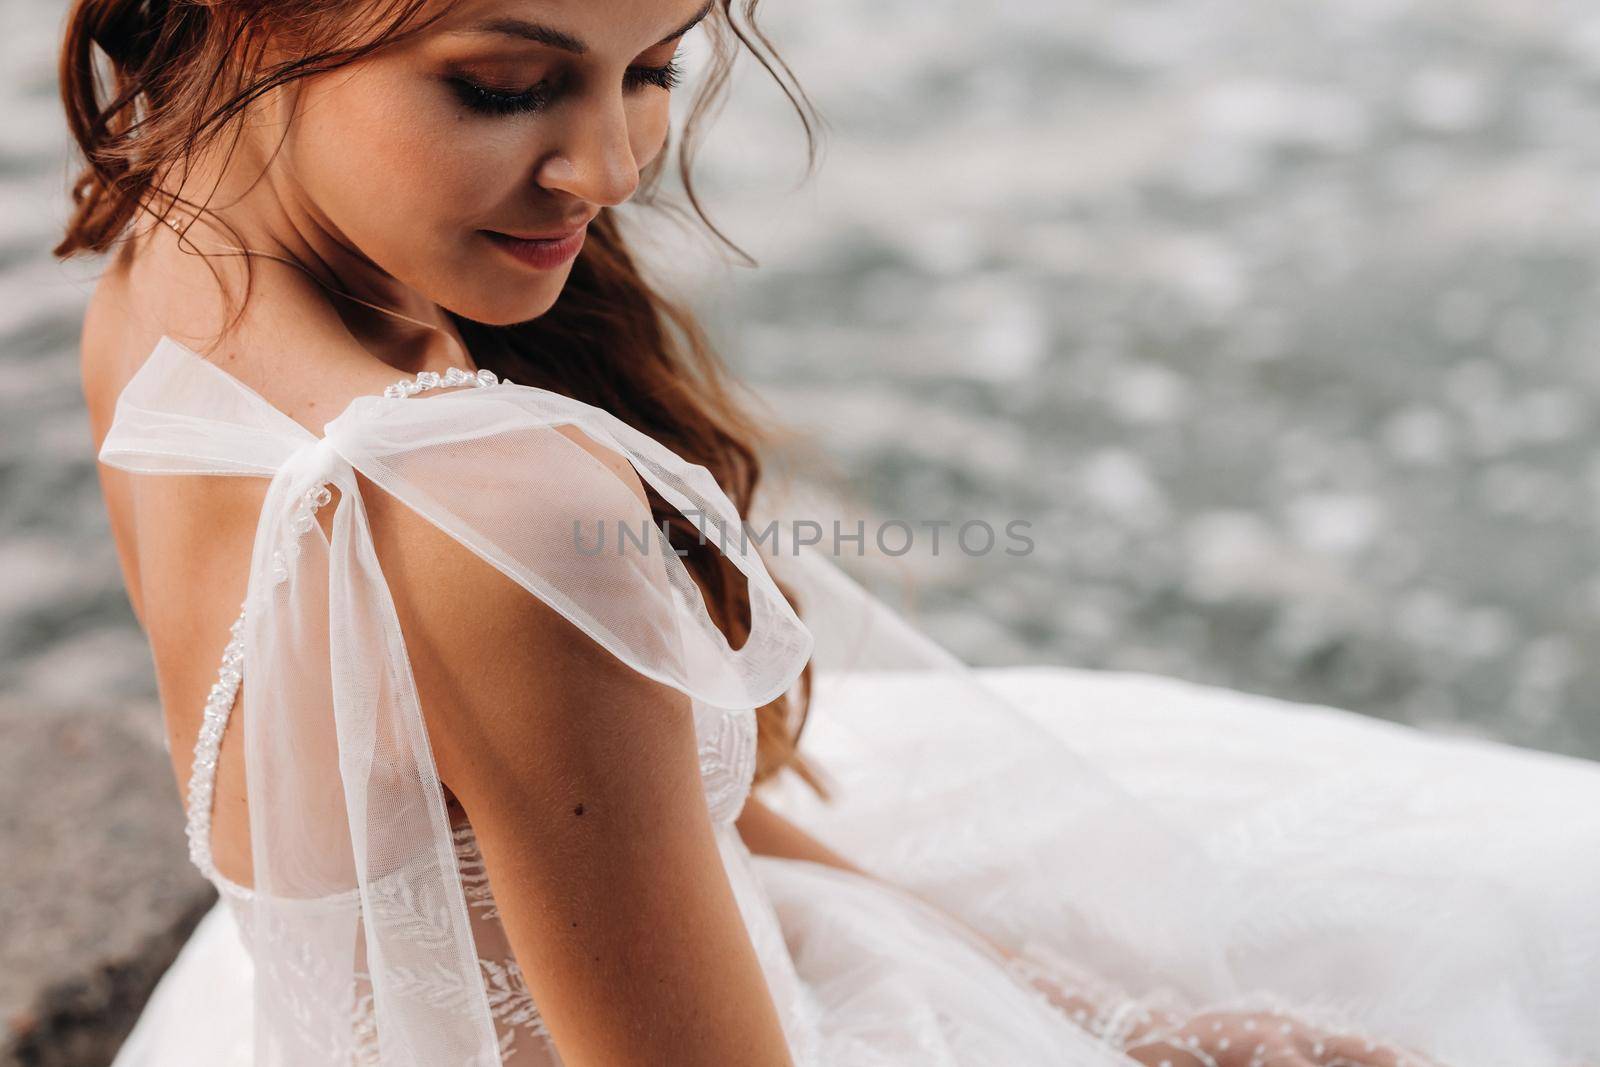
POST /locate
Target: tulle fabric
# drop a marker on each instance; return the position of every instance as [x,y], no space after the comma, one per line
[1381,886]
[1125,906]
[355,881]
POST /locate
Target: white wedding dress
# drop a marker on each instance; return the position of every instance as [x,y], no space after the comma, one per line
[1153,845]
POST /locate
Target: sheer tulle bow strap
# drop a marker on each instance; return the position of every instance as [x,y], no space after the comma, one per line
[357,904]
[500,469]
[347,812]
[179,414]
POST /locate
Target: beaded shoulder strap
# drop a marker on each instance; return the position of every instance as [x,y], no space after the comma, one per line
[224,692]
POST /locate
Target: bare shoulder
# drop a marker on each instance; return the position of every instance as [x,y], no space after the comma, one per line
[288,343]
[614,462]
[474,635]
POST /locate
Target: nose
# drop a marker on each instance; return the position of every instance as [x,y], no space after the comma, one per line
[595,160]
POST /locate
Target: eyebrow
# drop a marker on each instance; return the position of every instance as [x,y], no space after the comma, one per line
[547,35]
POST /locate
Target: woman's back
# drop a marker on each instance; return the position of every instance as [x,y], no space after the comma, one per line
[184,543]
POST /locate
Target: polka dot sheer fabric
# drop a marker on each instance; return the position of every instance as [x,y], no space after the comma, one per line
[1349,928]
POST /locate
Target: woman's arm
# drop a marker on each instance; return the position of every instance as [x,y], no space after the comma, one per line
[581,779]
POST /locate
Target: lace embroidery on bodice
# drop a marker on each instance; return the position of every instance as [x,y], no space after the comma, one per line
[727,757]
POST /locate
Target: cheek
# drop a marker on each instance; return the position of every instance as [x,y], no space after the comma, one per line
[403,178]
[647,130]
[392,161]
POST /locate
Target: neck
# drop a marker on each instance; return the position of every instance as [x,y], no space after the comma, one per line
[271,219]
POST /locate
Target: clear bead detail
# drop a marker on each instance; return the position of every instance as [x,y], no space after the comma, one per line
[222,696]
[203,776]
[430,379]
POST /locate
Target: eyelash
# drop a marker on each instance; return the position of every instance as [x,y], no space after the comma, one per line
[497,102]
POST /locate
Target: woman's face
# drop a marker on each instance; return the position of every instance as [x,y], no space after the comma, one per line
[504,117]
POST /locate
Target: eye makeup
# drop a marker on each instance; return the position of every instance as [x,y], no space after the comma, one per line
[494,100]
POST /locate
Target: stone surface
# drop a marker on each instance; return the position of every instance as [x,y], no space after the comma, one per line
[96,890]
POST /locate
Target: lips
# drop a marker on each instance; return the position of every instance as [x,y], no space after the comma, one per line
[571,228]
[541,253]
[558,235]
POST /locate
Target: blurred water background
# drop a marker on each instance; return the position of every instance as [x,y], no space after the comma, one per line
[1277,320]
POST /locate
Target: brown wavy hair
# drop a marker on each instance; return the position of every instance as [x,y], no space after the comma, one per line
[180,73]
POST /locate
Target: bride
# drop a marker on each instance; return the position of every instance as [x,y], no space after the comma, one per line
[486,666]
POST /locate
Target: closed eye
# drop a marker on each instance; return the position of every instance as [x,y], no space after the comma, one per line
[492,100]
[667,77]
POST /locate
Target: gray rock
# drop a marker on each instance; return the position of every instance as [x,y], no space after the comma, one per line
[96,891]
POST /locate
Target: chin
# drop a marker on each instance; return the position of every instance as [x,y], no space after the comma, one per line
[507,306]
